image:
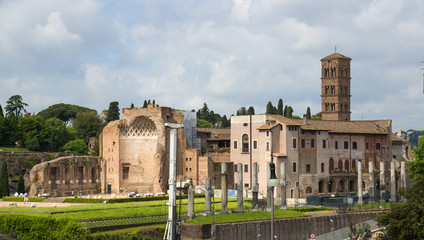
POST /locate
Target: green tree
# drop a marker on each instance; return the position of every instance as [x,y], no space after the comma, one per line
[149,102]
[21,185]
[145,104]
[78,146]
[225,122]
[250,111]
[1,111]
[153,102]
[289,112]
[316,116]
[404,220]
[203,123]
[269,108]
[4,181]
[33,134]
[10,133]
[308,113]
[87,125]
[15,106]
[241,111]
[113,112]
[285,111]
[132,105]
[57,133]
[280,107]
[64,112]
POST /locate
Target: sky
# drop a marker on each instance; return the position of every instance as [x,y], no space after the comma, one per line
[228,54]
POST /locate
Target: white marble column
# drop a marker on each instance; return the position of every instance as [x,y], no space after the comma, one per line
[360,193]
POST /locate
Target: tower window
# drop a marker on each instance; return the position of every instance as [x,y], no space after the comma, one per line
[245,142]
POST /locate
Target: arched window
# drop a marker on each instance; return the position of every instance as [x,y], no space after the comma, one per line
[341,186]
[354,164]
[347,165]
[321,186]
[245,143]
[363,186]
[331,166]
[351,186]
[331,186]
[340,165]
[308,190]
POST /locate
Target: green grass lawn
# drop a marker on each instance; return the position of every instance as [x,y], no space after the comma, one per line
[370,206]
[247,216]
[12,149]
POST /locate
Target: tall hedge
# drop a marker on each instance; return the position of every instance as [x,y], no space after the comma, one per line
[39,227]
[4,181]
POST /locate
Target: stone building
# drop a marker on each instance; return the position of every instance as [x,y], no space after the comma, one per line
[321,156]
[134,151]
[61,176]
[335,87]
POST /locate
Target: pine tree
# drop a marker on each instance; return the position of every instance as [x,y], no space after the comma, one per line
[289,112]
[112,113]
[269,108]
[145,104]
[4,181]
[285,111]
[132,105]
[241,111]
[21,185]
[308,113]
[224,122]
[250,111]
[280,106]
[153,102]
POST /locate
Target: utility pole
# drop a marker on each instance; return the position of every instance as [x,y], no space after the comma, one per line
[170,230]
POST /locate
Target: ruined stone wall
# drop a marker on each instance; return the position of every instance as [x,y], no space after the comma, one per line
[61,176]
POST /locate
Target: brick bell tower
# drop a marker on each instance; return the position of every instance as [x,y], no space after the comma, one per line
[335,87]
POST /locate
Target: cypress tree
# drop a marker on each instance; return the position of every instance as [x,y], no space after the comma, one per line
[21,185]
[308,113]
[269,108]
[289,112]
[149,102]
[285,111]
[154,102]
[145,104]
[4,181]
[280,110]
[113,112]
[250,111]
[132,105]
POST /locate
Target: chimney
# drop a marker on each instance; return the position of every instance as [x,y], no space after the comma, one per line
[305,119]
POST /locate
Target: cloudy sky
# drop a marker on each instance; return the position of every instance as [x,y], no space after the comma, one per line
[225,53]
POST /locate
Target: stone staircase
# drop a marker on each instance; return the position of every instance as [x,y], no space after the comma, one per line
[54,200]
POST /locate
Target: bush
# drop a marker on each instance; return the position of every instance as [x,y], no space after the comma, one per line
[125,200]
[77,146]
[21,199]
[40,227]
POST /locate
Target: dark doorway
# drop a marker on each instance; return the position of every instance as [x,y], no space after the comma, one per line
[109,188]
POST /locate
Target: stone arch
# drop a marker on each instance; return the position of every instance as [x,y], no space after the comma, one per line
[341,186]
[351,185]
[347,165]
[321,186]
[331,187]
[308,190]
[340,165]
[331,165]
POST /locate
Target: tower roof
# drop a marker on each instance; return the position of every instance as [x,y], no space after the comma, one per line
[335,56]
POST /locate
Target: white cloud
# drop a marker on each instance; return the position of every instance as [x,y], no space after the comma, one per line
[240,10]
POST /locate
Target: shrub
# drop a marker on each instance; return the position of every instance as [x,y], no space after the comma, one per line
[21,199]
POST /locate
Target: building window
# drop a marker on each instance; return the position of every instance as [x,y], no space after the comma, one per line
[267,133]
[302,143]
[324,144]
[235,144]
[245,143]
[322,167]
[312,143]
[246,169]
[186,169]
[294,142]
[125,172]
[366,146]
[267,146]
[308,168]
[294,167]
[246,185]
[383,151]
[308,190]
[354,145]
[377,146]
[297,184]
[186,159]
[255,144]
[336,145]
[346,145]
[190,169]
[235,167]
[331,165]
